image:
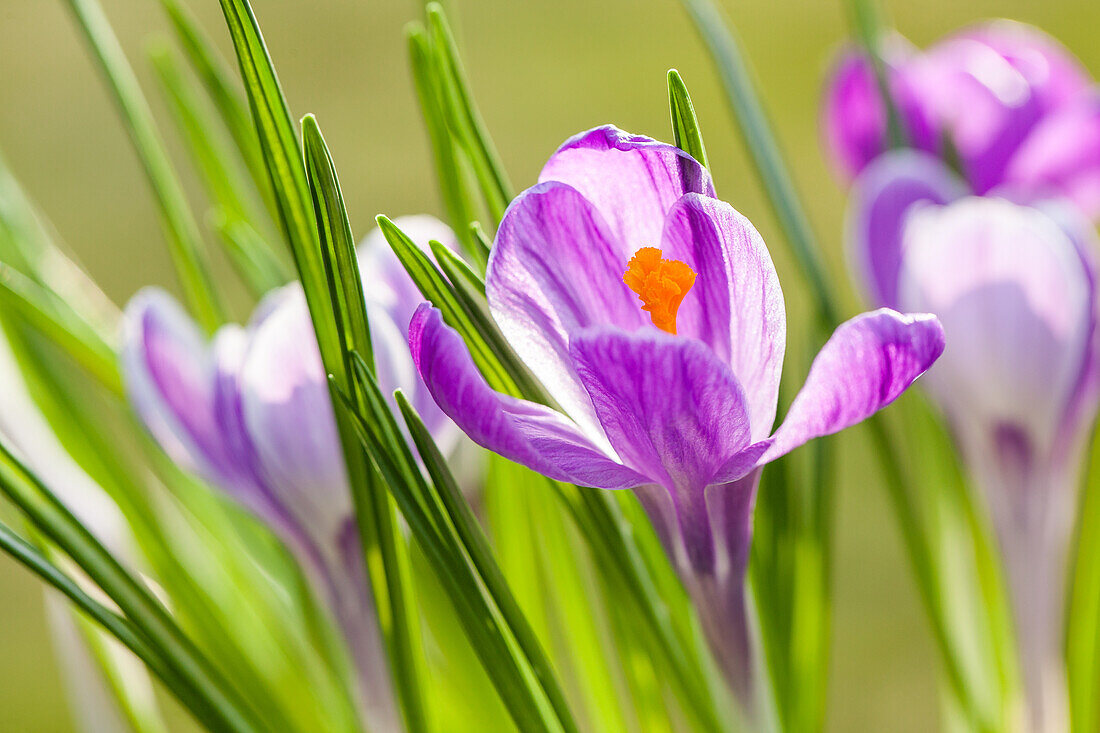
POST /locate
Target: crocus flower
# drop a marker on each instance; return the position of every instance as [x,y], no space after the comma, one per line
[1015,289]
[1017,108]
[250,411]
[652,314]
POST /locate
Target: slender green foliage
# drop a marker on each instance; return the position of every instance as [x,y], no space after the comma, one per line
[252,257]
[184,237]
[374,512]
[685,126]
[463,117]
[197,678]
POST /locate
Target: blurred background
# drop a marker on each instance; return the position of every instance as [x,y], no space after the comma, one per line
[541,72]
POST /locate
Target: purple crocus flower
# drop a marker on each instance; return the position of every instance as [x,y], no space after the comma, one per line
[673,395]
[250,411]
[1016,106]
[1015,289]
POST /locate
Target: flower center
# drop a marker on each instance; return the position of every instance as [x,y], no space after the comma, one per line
[660,284]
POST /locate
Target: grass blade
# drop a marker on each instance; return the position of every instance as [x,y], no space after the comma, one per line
[489,634]
[184,237]
[55,320]
[451,167]
[464,117]
[868,29]
[257,265]
[49,515]
[31,558]
[373,510]
[685,126]
[216,78]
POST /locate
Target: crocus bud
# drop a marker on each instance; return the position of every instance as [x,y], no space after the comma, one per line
[1014,290]
[250,411]
[996,92]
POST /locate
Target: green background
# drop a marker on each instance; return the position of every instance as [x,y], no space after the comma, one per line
[541,71]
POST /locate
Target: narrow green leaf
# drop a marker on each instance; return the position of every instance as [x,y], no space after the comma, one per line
[226,710]
[763,150]
[31,558]
[1083,624]
[55,320]
[258,266]
[484,243]
[184,237]
[435,288]
[373,510]
[489,634]
[685,126]
[450,162]
[216,77]
[464,117]
[476,545]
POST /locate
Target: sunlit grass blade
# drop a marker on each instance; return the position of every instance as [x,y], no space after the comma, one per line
[763,150]
[520,686]
[451,168]
[685,126]
[285,165]
[473,540]
[31,558]
[549,572]
[1083,623]
[464,117]
[257,265]
[374,513]
[184,237]
[223,708]
[55,320]
[216,78]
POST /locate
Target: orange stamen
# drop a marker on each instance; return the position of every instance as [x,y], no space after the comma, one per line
[660,284]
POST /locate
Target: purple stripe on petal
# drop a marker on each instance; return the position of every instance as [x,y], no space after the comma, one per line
[670,407]
[736,305]
[866,364]
[882,197]
[631,180]
[533,435]
[557,268]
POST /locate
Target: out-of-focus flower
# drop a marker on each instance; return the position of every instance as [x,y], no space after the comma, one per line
[1016,107]
[673,396]
[25,429]
[250,411]
[1015,289]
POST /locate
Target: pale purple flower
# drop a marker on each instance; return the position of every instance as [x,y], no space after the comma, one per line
[1017,107]
[684,420]
[250,412]
[1015,289]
